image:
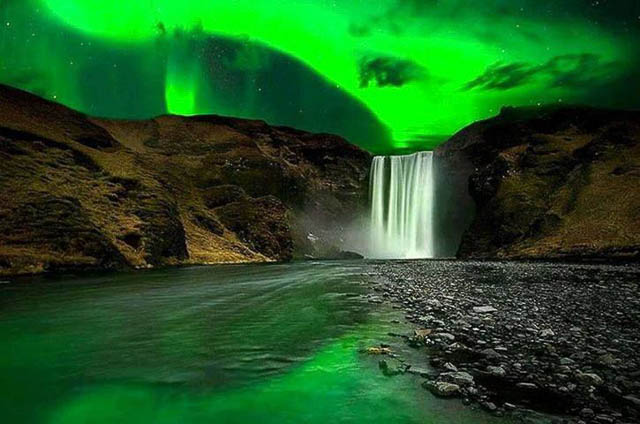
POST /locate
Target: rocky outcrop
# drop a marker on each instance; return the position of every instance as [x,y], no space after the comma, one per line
[80,192]
[548,183]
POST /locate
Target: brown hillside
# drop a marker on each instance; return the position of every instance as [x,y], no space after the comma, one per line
[79,192]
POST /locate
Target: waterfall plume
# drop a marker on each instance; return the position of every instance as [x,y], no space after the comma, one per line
[402,195]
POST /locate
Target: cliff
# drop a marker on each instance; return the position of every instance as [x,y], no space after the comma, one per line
[84,193]
[549,182]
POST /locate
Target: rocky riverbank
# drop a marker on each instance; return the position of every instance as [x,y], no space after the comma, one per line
[554,338]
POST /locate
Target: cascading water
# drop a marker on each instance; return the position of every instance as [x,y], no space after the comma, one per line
[402,194]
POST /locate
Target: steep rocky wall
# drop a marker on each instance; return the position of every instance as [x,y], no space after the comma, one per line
[549,183]
[454,207]
[80,192]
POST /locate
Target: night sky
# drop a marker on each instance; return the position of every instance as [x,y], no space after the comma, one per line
[389,74]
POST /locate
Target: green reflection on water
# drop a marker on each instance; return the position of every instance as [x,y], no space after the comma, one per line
[268,344]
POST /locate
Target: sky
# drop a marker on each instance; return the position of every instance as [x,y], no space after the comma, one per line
[389,75]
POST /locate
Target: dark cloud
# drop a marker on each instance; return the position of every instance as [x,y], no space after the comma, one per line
[389,71]
[574,70]
[162,29]
[502,76]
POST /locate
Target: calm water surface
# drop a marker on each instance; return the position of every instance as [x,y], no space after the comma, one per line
[224,344]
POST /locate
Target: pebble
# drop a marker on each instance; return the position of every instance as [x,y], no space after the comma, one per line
[632,400]
[589,378]
[484,309]
[460,378]
[587,413]
[526,386]
[489,406]
[442,388]
[547,333]
[450,367]
[497,371]
[446,336]
[561,338]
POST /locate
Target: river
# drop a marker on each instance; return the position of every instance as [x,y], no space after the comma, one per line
[279,343]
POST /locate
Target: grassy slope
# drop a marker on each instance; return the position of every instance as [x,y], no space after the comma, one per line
[145,193]
[557,183]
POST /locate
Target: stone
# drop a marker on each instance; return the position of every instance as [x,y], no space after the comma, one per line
[460,378]
[489,406]
[605,419]
[450,367]
[632,400]
[496,371]
[607,359]
[491,354]
[421,371]
[567,361]
[436,304]
[375,350]
[426,318]
[392,367]
[421,333]
[442,388]
[444,336]
[591,379]
[484,309]
[527,386]
[587,413]
[547,333]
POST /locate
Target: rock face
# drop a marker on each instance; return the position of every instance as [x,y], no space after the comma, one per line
[79,192]
[547,183]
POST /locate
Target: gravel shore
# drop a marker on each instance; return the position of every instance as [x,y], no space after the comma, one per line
[555,338]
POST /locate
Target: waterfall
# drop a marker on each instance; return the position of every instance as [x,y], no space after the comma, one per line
[402,194]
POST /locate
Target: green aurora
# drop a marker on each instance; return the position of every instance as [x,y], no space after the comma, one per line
[388,75]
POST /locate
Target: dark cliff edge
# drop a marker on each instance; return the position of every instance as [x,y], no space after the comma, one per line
[545,183]
[84,193]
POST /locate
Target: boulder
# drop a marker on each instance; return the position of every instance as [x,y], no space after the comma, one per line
[442,388]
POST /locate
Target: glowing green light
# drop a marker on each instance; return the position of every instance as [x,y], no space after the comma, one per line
[453,46]
[181,88]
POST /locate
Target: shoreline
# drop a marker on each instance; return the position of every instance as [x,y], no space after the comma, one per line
[559,339]
[88,270]
[510,336]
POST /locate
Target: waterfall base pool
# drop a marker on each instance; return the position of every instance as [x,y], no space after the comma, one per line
[224,344]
